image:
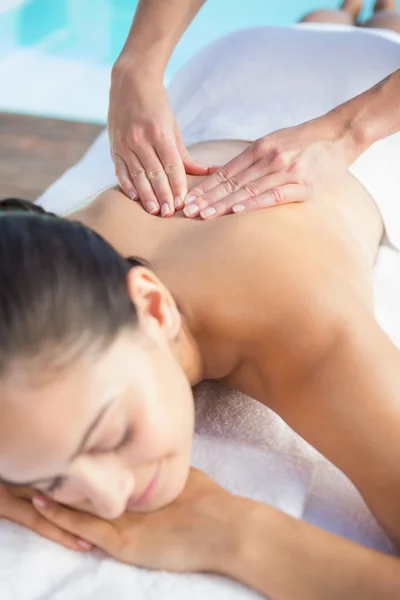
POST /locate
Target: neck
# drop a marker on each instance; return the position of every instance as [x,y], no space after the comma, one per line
[208,346]
[202,354]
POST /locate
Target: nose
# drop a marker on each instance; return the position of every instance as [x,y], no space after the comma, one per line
[106,484]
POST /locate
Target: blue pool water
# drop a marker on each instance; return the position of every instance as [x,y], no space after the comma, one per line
[56,55]
[95,30]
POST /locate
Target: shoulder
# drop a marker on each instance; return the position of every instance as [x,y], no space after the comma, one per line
[98,206]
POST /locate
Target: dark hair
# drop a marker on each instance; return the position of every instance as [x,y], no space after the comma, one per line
[62,286]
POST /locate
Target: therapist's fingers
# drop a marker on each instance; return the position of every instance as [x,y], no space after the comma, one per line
[174,168]
[223,174]
[192,166]
[237,188]
[158,179]
[285,194]
[245,191]
[124,178]
[142,185]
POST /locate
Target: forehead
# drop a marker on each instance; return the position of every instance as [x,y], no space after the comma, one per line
[42,425]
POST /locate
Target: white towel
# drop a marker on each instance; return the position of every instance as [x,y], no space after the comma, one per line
[242,444]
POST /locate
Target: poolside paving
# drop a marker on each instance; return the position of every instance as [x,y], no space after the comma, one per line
[35,151]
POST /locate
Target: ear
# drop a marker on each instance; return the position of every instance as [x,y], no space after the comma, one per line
[153,301]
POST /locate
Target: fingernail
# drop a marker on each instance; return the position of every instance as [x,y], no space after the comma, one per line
[165,209]
[238,208]
[178,202]
[40,502]
[151,207]
[190,210]
[189,199]
[84,545]
[208,212]
[133,195]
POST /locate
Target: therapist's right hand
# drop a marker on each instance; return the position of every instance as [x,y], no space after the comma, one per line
[15,505]
[150,158]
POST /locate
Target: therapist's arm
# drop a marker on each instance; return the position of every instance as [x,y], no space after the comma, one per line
[157,27]
[374,114]
[296,163]
[149,156]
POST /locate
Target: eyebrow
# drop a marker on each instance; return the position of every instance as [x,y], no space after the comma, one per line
[88,432]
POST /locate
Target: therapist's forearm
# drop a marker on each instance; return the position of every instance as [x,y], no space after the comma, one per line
[156,29]
[287,559]
[374,114]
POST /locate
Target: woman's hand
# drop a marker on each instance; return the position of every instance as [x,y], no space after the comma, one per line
[193,533]
[149,156]
[289,165]
[16,506]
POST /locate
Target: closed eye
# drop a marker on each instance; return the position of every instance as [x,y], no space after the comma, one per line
[56,484]
[126,438]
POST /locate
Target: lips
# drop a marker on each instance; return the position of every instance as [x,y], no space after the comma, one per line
[146,494]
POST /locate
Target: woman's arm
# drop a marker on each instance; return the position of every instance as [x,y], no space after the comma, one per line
[295,163]
[149,156]
[372,115]
[285,559]
[209,529]
[156,29]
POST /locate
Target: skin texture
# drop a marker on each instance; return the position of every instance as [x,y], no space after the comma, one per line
[306,350]
[290,347]
[212,281]
[149,156]
[297,163]
[291,165]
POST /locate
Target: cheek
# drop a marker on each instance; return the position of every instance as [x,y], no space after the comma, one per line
[163,428]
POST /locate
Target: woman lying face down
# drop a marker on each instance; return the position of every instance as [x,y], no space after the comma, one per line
[96,405]
[97,362]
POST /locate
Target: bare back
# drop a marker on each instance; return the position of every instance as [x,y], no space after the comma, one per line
[237,273]
[265,292]
[340,230]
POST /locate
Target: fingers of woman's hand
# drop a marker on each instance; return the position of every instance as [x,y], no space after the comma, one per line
[142,184]
[166,174]
[92,529]
[175,170]
[124,178]
[22,512]
[253,197]
[191,166]
[284,194]
[248,188]
[223,176]
[234,190]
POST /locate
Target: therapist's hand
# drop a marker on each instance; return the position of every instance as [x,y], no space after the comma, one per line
[15,505]
[289,165]
[193,533]
[146,146]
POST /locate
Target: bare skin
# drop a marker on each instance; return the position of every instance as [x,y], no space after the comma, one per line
[385,15]
[259,316]
[285,314]
[262,315]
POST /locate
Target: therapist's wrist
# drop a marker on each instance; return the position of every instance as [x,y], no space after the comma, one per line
[341,130]
[139,68]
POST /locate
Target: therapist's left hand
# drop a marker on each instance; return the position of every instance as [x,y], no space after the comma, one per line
[289,165]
